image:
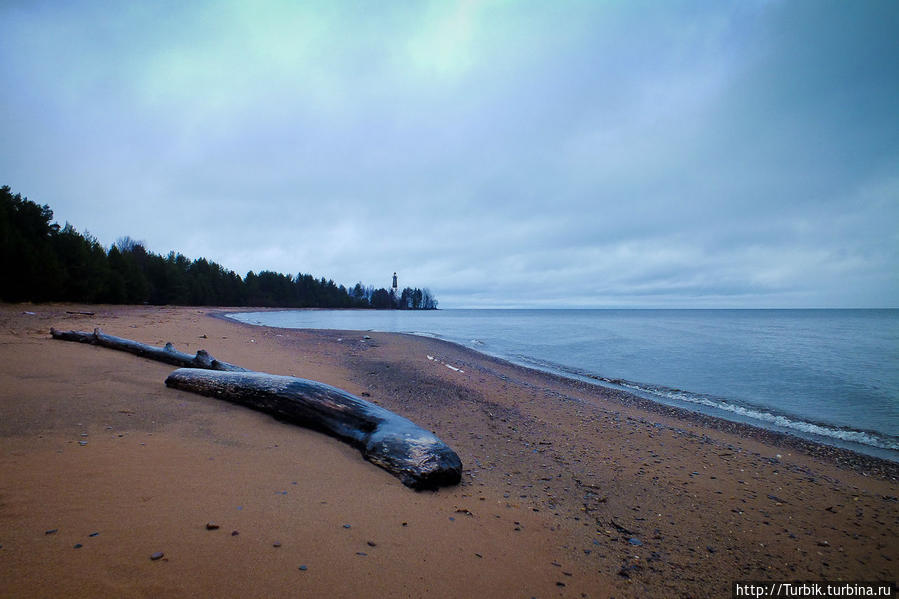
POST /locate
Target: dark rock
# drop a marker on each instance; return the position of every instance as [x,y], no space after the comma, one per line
[371,544]
[303,568]
[212,526]
[77,546]
[52,531]
[157,555]
[94,534]
[276,544]
[234,533]
[635,541]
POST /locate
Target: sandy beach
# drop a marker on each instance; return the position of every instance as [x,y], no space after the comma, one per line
[569,489]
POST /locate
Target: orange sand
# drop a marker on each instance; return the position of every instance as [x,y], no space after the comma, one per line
[559,477]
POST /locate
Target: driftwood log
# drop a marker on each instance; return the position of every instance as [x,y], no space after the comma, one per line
[167,354]
[414,455]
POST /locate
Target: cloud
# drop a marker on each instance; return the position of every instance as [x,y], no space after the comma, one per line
[564,154]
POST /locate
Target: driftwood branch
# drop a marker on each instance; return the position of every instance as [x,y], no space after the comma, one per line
[167,354]
[414,455]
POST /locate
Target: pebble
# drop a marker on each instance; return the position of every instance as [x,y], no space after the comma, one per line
[52,531]
[212,526]
[157,555]
[77,546]
[635,541]
[234,533]
[371,544]
[82,443]
[276,544]
[347,526]
[303,568]
[94,534]
[362,553]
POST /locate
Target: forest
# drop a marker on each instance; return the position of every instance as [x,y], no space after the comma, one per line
[43,262]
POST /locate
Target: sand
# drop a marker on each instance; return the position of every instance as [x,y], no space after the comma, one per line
[569,490]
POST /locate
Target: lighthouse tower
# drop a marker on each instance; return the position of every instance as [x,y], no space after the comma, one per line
[394,287]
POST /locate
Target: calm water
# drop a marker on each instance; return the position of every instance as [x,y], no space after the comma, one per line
[829,375]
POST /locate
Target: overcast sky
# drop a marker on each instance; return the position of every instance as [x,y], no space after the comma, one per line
[502,154]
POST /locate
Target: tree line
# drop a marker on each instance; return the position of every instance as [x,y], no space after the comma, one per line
[42,262]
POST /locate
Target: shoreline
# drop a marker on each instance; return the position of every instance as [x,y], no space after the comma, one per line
[871,464]
[568,489]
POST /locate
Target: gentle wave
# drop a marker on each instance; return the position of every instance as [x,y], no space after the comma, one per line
[750,413]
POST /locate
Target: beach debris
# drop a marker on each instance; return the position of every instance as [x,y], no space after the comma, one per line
[450,366]
[94,534]
[157,556]
[212,526]
[347,526]
[82,443]
[78,312]
[167,354]
[414,455]
[52,531]
[304,567]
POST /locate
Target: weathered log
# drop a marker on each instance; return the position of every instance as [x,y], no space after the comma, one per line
[416,456]
[167,354]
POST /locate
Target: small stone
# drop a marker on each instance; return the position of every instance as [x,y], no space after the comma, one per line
[212,526]
[347,526]
[371,544]
[77,546]
[157,555]
[362,553]
[303,568]
[52,531]
[276,544]
[234,533]
[82,443]
[710,549]
[405,524]
[94,534]
[635,541]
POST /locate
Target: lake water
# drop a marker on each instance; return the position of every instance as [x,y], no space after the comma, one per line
[828,375]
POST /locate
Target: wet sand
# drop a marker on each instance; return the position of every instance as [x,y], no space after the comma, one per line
[569,489]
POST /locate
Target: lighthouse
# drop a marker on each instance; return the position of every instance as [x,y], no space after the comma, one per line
[394,287]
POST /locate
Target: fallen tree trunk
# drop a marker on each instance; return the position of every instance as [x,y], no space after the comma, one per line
[416,456]
[167,354]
